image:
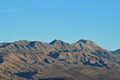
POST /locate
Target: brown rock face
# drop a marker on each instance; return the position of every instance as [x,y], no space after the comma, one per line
[57,60]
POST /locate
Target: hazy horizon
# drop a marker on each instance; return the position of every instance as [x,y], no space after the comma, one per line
[66,20]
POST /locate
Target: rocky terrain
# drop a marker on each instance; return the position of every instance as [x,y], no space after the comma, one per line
[117,52]
[58,60]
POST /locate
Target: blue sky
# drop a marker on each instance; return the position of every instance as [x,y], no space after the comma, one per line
[68,20]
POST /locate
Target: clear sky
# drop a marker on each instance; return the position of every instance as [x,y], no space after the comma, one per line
[68,20]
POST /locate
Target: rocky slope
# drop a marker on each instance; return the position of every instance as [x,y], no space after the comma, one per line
[117,51]
[57,60]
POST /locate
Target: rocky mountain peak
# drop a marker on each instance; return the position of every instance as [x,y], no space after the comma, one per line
[56,42]
[82,41]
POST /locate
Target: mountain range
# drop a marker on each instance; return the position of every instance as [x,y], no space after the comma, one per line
[58,60]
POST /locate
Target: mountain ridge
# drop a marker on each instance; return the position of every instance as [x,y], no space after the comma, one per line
[32,43]
[28,57]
